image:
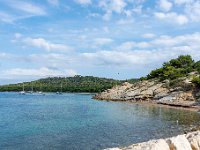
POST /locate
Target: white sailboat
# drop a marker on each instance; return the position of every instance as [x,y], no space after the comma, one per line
[61,86]
[22,92]
[40,92]
[32,88]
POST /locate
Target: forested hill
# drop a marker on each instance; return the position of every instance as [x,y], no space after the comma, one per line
[65,84]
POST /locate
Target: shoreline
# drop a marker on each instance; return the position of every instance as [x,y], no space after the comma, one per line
[189,141]
[154,103]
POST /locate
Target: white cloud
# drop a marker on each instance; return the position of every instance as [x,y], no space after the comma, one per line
[52,59]
[102,41]
[41,43]
[133,45]
[125,21]
[95,15]
[154,52]
[41,72]
[137,9]
[5,17]
[3,55]
[165,5]
[193,11]
[172,17]
[148,35]
[83,2]
[18,35]
[180,2]
[126,46]
[24,10]
[110,6]
[53,2]
[28,7]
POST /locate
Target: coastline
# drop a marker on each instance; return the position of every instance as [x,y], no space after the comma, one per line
[154,103]
[189,141]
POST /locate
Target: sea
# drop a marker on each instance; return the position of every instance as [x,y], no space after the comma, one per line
[75,121]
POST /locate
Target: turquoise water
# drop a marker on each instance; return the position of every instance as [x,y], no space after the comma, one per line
[75,121]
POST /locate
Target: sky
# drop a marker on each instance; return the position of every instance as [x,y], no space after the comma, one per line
[118,39]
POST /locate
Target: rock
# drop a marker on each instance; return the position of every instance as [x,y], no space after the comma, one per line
[198,94]
[152,90]
[190,141]
[194,140]
[168,98]
[179,142]
[151,145]
[112,149]
[194,73]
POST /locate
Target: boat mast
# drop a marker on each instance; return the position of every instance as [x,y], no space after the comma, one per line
[32,87]
[23,87]
[61,87]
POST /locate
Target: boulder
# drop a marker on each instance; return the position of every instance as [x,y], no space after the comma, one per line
[179,142]
[194,140]
[151,145]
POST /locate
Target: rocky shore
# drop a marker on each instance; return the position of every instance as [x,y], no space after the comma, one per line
[189,141]
[182,94]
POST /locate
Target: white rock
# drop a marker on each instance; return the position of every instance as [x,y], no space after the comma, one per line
[112,149]
[194,140]
[179,143]
[152,145]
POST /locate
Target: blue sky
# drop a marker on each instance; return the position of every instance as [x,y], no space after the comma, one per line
[118,39]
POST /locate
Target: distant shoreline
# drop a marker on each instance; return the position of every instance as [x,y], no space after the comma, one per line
[49,92]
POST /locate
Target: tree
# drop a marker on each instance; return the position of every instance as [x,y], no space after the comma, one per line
[175,68]
[196,80]
[182,61]
[197,66]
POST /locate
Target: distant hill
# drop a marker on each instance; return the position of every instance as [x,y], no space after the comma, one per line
[65,84]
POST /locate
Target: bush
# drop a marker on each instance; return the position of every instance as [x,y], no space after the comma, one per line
[155,73]
[143,78]
[197,66]
[196,81]
[175,68]
[183,61]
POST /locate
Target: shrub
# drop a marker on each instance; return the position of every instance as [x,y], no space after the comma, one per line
[197,66]
[175,68]
[196,81]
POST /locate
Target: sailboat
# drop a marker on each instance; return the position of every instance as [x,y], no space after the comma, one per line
[31,92]
[22,92]
[32,88]
[61,86]
[40,92]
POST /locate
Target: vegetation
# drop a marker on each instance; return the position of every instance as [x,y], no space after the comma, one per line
[175,68]
[196,80]
[69,84]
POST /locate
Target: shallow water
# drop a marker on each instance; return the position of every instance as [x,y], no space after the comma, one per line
[75,121]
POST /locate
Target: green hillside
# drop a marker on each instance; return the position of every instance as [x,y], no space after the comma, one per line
[69,84]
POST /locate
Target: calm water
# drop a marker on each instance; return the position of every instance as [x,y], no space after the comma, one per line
[75,121]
